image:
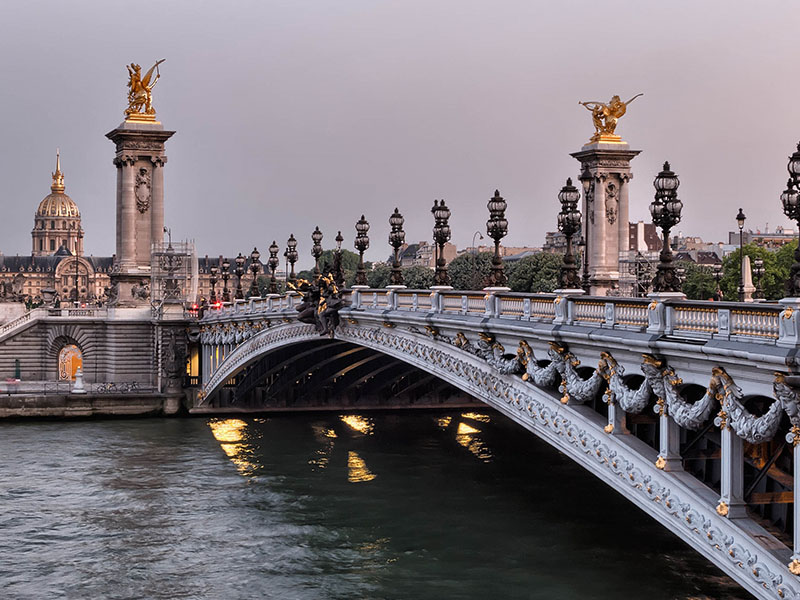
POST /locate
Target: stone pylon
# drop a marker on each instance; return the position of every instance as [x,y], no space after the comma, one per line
[605,210]
[140,161]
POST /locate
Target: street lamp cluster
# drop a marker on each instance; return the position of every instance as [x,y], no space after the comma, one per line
[441,235]
[791,208]
[569,223]
[666,212]
[497,228]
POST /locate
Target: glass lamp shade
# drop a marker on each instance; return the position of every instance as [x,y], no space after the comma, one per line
[255,255]
[789,201]
[794,164]
[569,195]
[214,269]
[240,260]
[574,219]
[666,180]
[339,239]
[740,219]
[396,220]
[273,262]
[226,265]
[291,242]
[440,211]
[316,237]
[673,208]
[497,204]
[656,210]
[362,243]
[362,225]
[274,249]
[586,179]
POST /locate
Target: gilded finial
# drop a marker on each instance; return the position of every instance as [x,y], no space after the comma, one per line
[57,186]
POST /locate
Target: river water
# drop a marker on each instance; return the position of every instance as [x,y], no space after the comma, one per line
[406,505]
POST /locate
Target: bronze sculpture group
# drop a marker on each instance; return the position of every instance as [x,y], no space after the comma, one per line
[321,303]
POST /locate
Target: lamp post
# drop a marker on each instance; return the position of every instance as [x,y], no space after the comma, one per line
[239,271]
[396,238]
[666,212]
[791,208]
[569,223]
[338,270]
[497,229]
[587,183]
[254,267]
[758,271]
[272,262]
[226,268]
[213,281]
[441,235]
[316,250]
[361,244]
[291,257]
[740,219]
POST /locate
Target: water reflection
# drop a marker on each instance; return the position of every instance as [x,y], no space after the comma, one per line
[469,437]
[324,436]
[444,422]
[231,434]
[477,417]
[358,423]
[357,471]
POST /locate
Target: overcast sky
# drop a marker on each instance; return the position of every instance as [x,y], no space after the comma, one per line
[301,113]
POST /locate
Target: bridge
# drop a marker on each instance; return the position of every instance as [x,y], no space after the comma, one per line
[688,409]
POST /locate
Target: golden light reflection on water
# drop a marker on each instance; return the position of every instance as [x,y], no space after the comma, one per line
[231,433]
[469,438]
[358,423]
[325,437]
[477,417]
[357,471]
[444,422]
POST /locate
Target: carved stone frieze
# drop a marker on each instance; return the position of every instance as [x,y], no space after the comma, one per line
[142,189]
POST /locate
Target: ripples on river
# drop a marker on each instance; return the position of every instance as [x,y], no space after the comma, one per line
[402,505]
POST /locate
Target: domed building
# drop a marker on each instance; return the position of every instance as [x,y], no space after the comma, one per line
[56,264]
[58,221]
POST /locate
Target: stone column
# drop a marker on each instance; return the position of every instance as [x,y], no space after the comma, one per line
[126,253]
[669,457]
[731,498]
[609,164]
[793,437]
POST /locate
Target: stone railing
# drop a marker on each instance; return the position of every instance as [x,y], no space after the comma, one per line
[689,319]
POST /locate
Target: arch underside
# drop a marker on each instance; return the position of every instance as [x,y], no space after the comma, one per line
[675,499]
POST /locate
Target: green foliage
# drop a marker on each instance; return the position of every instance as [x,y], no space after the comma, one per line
[418,277]
[379,276]
[349,261]
[536,273]
[776,271]
[699,282]
[470,271]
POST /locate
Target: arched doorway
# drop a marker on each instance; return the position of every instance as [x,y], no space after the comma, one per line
[70,358]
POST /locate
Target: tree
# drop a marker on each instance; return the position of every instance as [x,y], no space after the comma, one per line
[699,282]
[775,272]
[418,277]
[535,273]
[379,276]
[349,261]
[470,271]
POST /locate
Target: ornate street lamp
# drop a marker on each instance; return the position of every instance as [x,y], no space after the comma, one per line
[396,238]
[758,271]
[226,269]
[497,228]
[441,235]
[791,209]
[291,256]
[213,281]
[254,267]
[338,270]
[316,250]
[587,182]
[361,244]
[239,271]
[740,219]
[666,212]
[272,262]
[569,223]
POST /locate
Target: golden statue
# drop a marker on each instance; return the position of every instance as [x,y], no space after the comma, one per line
[605,117]
[140,99]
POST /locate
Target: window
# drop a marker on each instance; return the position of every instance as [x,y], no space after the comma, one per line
[52,224]
[63,225]
[52,245]
[41,245]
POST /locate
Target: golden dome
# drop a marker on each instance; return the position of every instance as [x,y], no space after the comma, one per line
[57,203]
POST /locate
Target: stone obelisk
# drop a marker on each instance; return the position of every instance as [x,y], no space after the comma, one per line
[605,207]
[140,160]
